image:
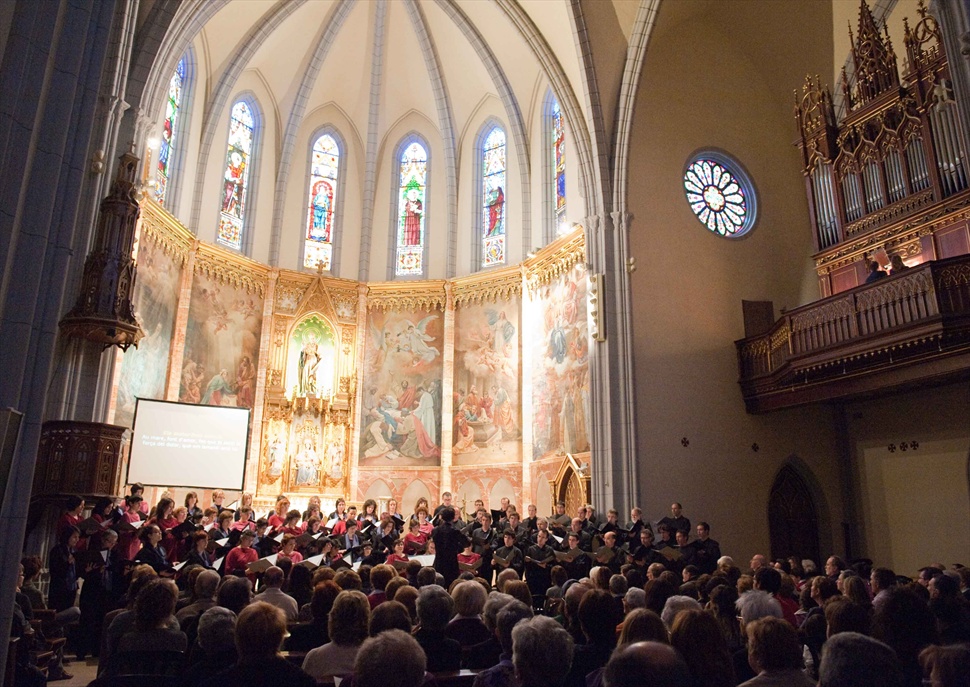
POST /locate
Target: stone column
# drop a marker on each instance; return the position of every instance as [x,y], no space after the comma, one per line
[447,389]
[176,352]
[49,79]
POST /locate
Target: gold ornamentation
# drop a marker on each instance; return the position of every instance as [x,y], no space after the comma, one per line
[161,227]
[488,286]
[232,270]
[407,296]
[557,258]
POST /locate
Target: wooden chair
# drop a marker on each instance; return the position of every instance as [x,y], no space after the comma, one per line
[141,663]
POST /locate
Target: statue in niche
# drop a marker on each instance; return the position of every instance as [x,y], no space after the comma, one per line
[307,465]
[309,362]
[335,461]
[277,455]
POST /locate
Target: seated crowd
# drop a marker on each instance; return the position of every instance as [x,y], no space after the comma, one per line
[216,597]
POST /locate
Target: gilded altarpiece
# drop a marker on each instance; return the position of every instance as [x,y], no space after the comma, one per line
[310,388]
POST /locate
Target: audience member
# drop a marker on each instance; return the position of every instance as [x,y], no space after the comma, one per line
[542,652]
[347,629]
[467,627]
[646,663]
[435,608]
[853,660]
[273,594]
[260,630]
[391,659]
[390,615]
[154,617]
[503,673]
[216,646]
[775,654]
[696,634]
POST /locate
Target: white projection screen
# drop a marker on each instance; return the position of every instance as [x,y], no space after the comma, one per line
[184,445]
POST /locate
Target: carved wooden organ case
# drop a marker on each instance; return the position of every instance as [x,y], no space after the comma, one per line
[880,176]
[308,415]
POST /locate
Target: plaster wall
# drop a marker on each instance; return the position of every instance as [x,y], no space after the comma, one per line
[721,74]
[910,457]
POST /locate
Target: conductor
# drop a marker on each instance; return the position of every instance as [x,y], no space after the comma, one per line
[448,543]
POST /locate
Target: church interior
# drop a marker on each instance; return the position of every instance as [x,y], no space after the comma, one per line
[441,245]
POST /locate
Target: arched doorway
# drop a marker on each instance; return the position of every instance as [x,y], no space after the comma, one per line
[792,517]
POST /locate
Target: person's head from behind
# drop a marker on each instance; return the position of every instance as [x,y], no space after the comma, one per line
[697,636]
[273,577]
[642,625]
[946,666]
[389,615]
[390,659]
[773,645]
[206,584]
[850,659]
[542,652]
[349,618]
[646,663]
[510,615]
[674,605]
[757,604]
[155,604]
[596,617]
[234,593]
[260,630]
[844,615]
[434,607]
[217,631]
[470,598]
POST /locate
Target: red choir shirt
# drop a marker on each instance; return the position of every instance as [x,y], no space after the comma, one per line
[469,559]
[240,525]
[276,520]
[294,557]
[413,542]
[238,559]
[392,558]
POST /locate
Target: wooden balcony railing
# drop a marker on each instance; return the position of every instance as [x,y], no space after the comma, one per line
[906,330]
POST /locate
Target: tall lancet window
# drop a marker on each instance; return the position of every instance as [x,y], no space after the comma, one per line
[324,167]
[170,131]
[493,198]
[242,129]
[559,167]
[412,208]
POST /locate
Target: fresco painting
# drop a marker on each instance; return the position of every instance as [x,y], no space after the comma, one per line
[221,345]
[144,369]
[560,367]
[487,395]
[402,388]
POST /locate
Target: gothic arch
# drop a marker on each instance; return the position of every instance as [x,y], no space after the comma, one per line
[337,235]
[490,124]
[793,516]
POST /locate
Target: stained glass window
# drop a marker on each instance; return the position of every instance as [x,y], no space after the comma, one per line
[559,167]
[166,148]
[720,194]
[324,165]
[412,194]
[493,198]
[236,176]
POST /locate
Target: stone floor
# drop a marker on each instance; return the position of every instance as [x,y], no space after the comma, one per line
[83,672]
